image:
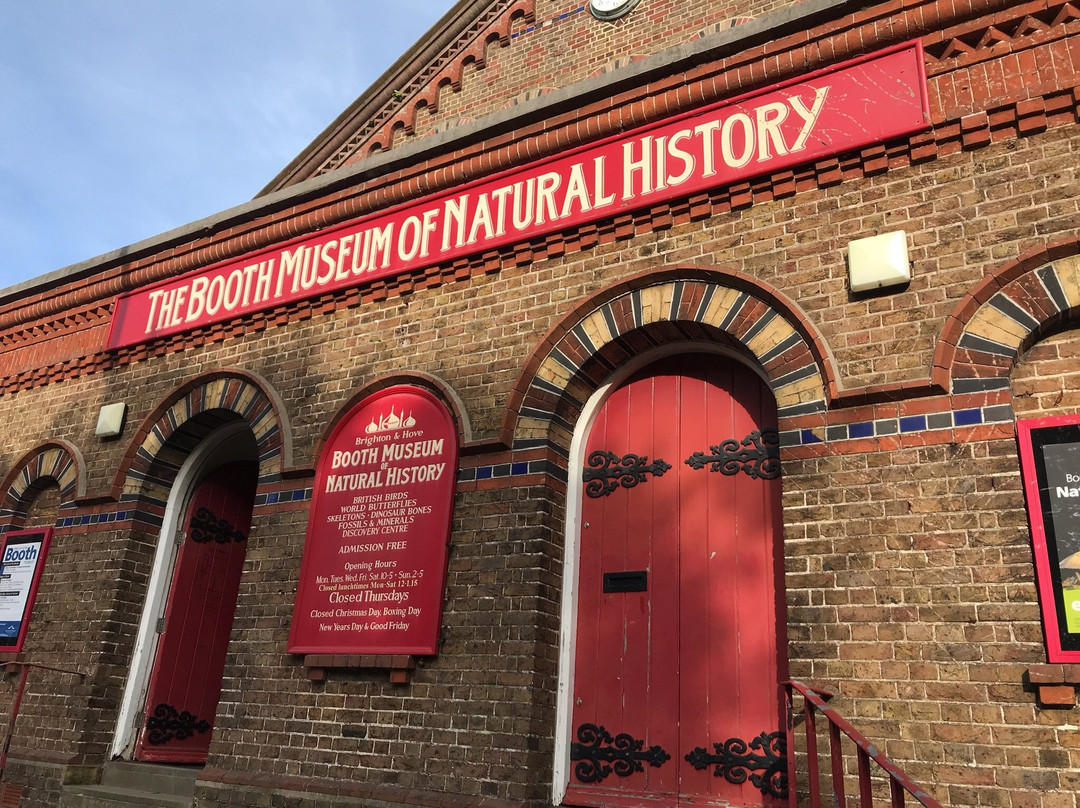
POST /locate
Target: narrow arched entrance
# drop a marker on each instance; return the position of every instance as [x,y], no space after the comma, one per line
[678,641]
[175,679]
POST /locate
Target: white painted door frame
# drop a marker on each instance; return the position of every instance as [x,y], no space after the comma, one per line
[572,537]
[220,446]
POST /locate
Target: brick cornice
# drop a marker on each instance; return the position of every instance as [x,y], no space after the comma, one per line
[422,92]
[985,37]
[398,109]
[647,91]
[59,312]
[973,132]
[969,133]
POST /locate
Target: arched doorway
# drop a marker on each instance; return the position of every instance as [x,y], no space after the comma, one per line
[174,683]
[678,641]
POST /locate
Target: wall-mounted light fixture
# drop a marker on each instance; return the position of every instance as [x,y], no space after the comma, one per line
[878,262]
[110,421]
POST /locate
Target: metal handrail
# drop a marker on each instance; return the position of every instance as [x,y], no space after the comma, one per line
[813,703]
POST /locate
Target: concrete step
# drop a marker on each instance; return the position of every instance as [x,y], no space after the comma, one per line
[156,778]
[123,785]
[117,797]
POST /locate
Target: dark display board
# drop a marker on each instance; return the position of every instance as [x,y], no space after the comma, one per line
[374,565]
[1050,460]
[22,560]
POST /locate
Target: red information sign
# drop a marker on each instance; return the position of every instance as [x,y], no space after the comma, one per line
[865,101]
[374,565]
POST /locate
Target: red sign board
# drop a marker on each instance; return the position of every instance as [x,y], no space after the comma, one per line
[862,102]
[374,565]
[1050,462]
[22,560]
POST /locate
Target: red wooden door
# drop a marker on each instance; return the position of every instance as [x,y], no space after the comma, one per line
[687,646]
[185,682]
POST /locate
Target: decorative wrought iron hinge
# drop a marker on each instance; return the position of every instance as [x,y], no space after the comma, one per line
[607,471]
[758,454]
[734,762]
[625,753]
[167,724]
[206,527]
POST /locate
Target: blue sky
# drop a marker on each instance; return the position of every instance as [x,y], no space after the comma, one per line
[121,119]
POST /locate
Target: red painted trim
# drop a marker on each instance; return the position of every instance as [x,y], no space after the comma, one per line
[814,703]
[190,654]
[15,702]
[1043,577]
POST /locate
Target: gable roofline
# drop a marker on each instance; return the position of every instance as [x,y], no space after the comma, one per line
[428,48]
[713,47]
[450,45]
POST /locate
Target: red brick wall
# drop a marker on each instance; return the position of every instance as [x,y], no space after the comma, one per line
[909,577]
[564,45]
[909,583]
[1046,378]
[472,719]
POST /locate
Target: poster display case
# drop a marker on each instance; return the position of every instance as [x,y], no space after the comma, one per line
[22,559]
[1050,462]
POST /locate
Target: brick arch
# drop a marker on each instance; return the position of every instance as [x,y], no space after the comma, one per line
[54,462]
[191,412]
[1006,314]
[677,304]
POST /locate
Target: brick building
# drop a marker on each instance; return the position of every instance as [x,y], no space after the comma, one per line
[592,243]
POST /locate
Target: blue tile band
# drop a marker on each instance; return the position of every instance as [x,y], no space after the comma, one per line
[834,433]
[906,425]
